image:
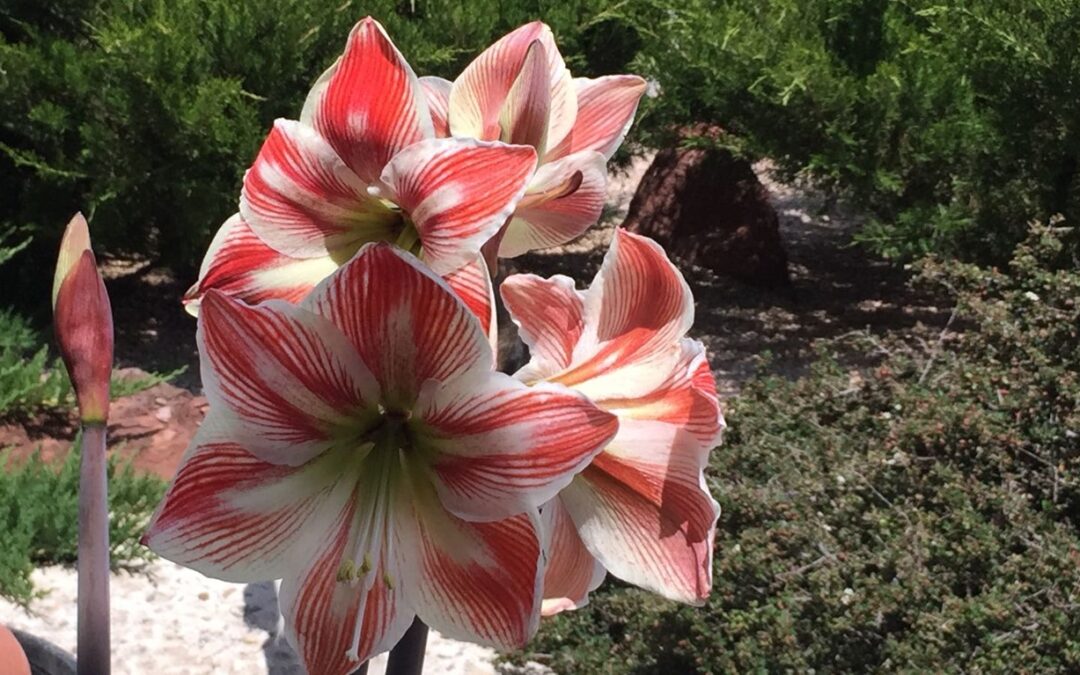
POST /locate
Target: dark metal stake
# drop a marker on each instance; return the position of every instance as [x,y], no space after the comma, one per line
[93,600]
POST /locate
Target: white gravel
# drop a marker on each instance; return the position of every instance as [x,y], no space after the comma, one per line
[175,621]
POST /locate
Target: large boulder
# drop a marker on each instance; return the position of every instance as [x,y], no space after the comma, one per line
[706,207]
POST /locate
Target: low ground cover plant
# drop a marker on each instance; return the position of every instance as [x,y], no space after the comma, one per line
[39,518]
[919,515]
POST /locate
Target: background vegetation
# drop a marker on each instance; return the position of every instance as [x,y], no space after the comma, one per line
[917,516]
[39,518]
[954,123]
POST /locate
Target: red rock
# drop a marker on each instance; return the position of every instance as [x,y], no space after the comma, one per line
[706,207]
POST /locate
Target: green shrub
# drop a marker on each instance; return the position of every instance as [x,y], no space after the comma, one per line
[39,518]
[921,515]
[145,114]
[954,123]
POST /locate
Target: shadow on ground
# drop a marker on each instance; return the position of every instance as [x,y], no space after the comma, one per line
[261,612]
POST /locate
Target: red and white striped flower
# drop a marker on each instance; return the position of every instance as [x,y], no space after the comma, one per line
[360,446]
[520,91]
[361,165]
[641,509]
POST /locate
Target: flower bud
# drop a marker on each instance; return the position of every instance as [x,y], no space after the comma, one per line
[82,319]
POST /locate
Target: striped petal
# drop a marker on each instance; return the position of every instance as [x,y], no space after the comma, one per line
[636,311]
[500,447]
[472,283]
[437,91]
[289,380]
[315,94]
[642,508]
[373,105]
[524,115]
[233,516]
[336,623]
[572,572]
[605,111]
[549,315]
[301,199]
[564,199]
[239,264]
[478,95]
[478,582]
[407,328]
[458,193]
[686,399]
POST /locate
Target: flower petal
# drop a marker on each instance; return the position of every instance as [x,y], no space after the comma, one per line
[437,91]
[288,378]
[458,192]
[524,115]
[605,111]
[500,447]
[373,105]
[472,283]
[407,325]
[478,582]
[686,399]
[233,516]
[642,508]
[336,624]
[301,199]
[479,93]
[315,94]
[636,311]
[239,264]
[564,199]
[572,572]
[549,315]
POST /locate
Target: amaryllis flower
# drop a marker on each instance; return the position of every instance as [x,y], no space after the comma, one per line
[360,447]
[361,165]
[520,91]
[641,510]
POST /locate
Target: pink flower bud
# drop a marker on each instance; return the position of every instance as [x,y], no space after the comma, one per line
[82,319]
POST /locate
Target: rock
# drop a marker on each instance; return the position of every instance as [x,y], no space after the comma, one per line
[707,207]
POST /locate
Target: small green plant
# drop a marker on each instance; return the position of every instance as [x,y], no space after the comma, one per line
[39,518]
[921,515]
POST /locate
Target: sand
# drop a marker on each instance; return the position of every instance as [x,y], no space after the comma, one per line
[175,621]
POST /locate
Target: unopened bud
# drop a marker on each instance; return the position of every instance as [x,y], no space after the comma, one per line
[82,319]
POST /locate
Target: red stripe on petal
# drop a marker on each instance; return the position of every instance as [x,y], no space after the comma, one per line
[240,264]
[524,117]
[563,200]
[605,111]
[478,95]
[686,398]
[288,377]
[471,581]
[437,91]
[636,311]
[301,199]
[373,105]
[458,193]
[407,325]
[572,572]
[652,529]
[503,447]
[549,314]
[322,613]
[472,283]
